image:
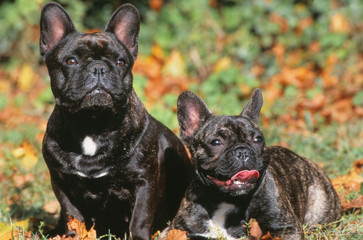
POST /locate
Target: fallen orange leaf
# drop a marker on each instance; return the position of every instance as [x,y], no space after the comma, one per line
[314,104]
[222,64]
[80,229]
[174,65]
[356,203]
[157,52]
[176,234]
[350,182]
[267,236]
[281,21]
[255,230]
[156,4]
[358,165]
[27,155]
[338,24]
[21,180]
[27,78]
[346,185]
[14,231]
[51,206]
[304,23]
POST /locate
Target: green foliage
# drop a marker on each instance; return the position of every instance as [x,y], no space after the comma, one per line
[3,101]
[25,131]
[139,83]
[17,20]
[225,83]
[358,99]
[244,31]
[163,112]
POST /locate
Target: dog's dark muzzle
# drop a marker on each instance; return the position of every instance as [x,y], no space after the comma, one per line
[241,157]
[97,98]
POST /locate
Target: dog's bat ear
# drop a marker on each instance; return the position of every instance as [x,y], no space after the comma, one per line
[192,112]
[253,107]
[125,24]
[55,24]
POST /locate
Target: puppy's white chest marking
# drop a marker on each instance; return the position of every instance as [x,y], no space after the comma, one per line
[217,222]
[89,146]
[219,216]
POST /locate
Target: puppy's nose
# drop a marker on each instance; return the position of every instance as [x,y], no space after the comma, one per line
[242,154]
[98,68]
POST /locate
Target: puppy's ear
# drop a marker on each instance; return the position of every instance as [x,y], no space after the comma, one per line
[192,112]
[253,107]
[125,24]
[55,24]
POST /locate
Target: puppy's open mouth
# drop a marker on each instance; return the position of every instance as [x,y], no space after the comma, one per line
[242,179]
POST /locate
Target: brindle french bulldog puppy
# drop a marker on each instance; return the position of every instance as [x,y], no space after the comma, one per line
[239,178]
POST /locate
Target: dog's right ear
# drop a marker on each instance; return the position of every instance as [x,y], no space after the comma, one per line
[125,24]
[192,112]
[55,24]
[253,107]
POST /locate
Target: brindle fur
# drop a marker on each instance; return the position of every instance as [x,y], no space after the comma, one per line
[291,190]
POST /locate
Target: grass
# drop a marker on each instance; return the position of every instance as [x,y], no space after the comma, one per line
[334,147]
[350,226]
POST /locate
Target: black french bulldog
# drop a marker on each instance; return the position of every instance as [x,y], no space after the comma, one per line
[112,165]
[239,178]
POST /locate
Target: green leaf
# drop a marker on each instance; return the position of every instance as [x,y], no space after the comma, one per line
[358,99]
[3,101]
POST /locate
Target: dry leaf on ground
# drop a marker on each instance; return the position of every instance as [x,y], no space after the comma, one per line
[80,229]
[176,234]
[51,206]
[255,230]
[349,184]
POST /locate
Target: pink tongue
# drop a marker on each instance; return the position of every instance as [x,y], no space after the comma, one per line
[245,175]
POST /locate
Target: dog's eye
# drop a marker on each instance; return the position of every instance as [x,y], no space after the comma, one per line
[216,142]
[71,61]
[121,62]
[258,139]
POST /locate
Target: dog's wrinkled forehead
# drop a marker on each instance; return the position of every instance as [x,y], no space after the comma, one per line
[97,45]
[225,126]
[95,40]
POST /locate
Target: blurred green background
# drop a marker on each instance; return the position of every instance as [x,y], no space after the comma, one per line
[306,56]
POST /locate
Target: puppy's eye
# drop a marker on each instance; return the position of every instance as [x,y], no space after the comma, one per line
[216,142]
[258,139]
[71,61]
[121,62]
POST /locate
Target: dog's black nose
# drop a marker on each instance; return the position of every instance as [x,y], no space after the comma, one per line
[242,154]
[98,68]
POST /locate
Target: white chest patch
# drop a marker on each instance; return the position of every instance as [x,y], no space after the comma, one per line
[219,216]
[89,146]
[216,224]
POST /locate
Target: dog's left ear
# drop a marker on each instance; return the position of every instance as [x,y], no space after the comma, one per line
[55,24]
[192,112]
[125,24]
[253,107]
